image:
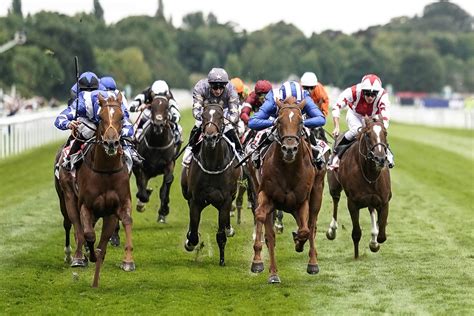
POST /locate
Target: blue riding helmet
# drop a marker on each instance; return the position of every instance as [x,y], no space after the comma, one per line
[88,81]
[108,83]
[291,88]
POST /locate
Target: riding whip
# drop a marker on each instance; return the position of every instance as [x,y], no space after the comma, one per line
[76,64]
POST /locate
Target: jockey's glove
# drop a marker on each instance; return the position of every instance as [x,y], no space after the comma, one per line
[134,105]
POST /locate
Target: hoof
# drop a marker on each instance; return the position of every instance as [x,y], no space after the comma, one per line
[188,246]
[331,235]
[149,191]
[257,267]
[128,266]
[381,239]
[374,246]
[140,206]
[161,219]
[230,232]
[312,269]
[114,240]
[79,263]
[232,213]
[222,263]
[274,279]
[67,259]
[279,228]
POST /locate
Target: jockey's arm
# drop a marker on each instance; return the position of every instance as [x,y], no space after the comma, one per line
[343,100]
[66,117]
[261,119]
[174,112]
[233,110]
[315,117]
[127,129]
[384,108]
[137,101]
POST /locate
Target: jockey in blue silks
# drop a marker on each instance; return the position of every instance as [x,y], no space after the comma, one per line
[266,115]
[82,115]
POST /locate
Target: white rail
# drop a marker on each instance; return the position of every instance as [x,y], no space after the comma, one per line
[438,117]
[23,132]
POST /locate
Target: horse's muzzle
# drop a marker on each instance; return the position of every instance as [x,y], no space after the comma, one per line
[289,151]
[211,139]
[111,147]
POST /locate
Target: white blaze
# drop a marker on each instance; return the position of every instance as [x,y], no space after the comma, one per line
[290,116]
[377,130]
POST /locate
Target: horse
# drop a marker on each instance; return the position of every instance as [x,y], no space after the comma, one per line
[104,186]
[365,178]
[159,150]
[211,179]
[290,182]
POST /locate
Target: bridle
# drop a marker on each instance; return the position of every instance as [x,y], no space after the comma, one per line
[280,139]
[370,156]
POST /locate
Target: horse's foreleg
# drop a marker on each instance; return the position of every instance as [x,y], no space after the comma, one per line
[335,191]
[261,214]
[108,228]
[382,221]
[192,237]
[374,231]
[168,178]
[125,215]
[356,231]
[224,224]
[303,233]
[143,194]
[270,241]
[88,220]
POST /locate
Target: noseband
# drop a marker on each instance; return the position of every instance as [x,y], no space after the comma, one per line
[101,141]
[370,149]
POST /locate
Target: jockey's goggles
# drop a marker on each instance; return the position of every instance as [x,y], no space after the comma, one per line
[369,93]
[217,86]
[308,88]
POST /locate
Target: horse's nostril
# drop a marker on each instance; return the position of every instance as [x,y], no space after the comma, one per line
[284,148]
[116,143]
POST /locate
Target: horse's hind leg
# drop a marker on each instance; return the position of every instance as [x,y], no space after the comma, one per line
[279,221]
[115,238]
[356,231]
[168,178]
[261,214]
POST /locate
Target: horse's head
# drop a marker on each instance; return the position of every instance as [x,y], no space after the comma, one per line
[110,126]
[289,127]
[212,123]
[159,113]
[375,138]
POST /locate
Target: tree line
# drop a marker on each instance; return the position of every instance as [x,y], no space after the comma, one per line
[420,53]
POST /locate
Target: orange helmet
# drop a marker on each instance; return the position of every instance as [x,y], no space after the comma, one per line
[238,84]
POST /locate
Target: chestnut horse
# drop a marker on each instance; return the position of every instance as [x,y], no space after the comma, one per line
[365,178]
[288,182]
[211,179]
[159,150]
[104,186]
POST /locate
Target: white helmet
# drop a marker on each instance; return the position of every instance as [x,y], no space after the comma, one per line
[309,79]
[371,82]
[160,87]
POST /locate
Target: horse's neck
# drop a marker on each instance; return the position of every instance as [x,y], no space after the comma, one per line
[158,140]
[214,158]
[103,162]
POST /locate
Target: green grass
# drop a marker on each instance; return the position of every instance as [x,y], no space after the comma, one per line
[425,267]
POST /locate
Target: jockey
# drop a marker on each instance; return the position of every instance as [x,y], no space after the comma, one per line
[265,117]
[83,118]
[242,90]
[142,100]
[252,104]
[366,98]
[108,84]
[214,89]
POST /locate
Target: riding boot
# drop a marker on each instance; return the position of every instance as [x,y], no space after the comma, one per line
[232,136]
[68,163]
[317,160]
[191,148]
[338,151]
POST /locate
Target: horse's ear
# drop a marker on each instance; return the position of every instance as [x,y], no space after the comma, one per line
[302,104]
[119,97]
[279,103]
[101,99]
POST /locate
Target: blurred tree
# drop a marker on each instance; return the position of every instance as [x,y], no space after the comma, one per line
[193,21]
[421,71]
[16,8]
[160,12]
[233,66]
[98,11]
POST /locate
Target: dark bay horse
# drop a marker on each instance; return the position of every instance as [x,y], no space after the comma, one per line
[158,148]
[288,182]
[365,178]
[211,179]
[104,186]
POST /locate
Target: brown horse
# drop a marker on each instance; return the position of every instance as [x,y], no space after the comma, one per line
[211,179]
[159,149]
[365,178]
[288,182]
[104,187]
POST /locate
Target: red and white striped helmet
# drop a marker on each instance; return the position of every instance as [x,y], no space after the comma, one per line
[371,82]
